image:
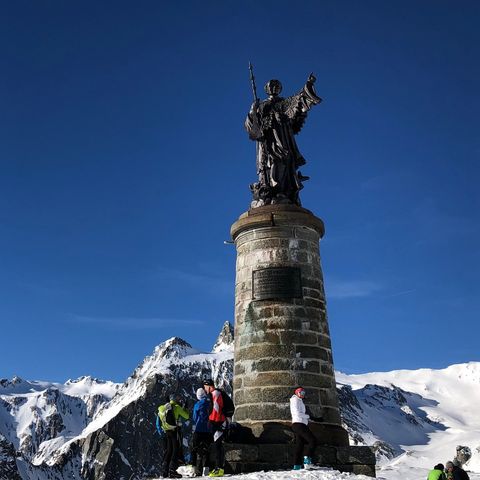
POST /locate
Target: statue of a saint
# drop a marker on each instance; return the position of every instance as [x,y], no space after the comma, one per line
[273,124]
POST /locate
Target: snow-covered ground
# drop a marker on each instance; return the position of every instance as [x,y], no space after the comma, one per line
[329,474]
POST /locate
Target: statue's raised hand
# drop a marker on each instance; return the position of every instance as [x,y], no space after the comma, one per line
[312,78]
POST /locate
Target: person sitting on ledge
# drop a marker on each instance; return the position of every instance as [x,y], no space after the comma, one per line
[303,435]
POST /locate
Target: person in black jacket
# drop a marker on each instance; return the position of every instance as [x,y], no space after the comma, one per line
[454,472]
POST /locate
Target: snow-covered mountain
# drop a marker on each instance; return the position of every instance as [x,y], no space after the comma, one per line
[90,429]
[37,417]
[418,416]
[87,429]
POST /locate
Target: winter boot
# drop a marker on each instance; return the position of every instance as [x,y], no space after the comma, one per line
[297,467]
[216,472]
[201,462]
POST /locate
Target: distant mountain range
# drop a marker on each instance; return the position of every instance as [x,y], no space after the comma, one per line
[92,429]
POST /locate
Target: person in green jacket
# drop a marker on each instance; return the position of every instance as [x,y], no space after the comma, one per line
[437,473]
[170,415]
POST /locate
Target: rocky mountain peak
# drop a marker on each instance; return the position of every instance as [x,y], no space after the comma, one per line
[174,347]
[87,379]
[225,339]
[169,351]
[16,384]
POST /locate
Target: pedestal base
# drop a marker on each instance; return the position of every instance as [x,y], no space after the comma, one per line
[243,458]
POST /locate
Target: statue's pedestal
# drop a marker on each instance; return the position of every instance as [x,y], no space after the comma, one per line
[242,458]
[282,338]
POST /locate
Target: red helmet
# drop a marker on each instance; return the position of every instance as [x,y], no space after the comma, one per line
[300,392]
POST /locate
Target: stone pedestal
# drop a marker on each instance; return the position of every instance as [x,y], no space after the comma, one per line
[282,338]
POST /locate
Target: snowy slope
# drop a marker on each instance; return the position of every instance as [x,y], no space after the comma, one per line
[444,403]
[32,413]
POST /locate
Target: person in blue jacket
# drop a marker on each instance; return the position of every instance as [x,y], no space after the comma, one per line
[202,433]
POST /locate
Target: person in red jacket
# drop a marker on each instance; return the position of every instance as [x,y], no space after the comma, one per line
[218,422]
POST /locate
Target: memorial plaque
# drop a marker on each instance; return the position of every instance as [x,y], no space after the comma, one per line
[277,282]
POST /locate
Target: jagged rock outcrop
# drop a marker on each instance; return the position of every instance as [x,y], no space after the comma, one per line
[225,339]
[463,455]
[402,418]
[8,464]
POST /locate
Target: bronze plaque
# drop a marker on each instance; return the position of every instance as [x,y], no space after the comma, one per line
[277,283]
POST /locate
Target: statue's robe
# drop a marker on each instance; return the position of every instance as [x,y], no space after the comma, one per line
[273,124]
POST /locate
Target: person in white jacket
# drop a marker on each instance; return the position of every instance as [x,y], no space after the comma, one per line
[303,435]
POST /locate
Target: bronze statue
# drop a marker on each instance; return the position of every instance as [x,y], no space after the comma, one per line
[273,124]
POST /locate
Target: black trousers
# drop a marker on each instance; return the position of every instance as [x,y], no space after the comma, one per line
[172,448]
[201,442]
[303,437]
[218,445]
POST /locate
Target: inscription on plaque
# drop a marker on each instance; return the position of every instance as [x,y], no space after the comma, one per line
[277,282]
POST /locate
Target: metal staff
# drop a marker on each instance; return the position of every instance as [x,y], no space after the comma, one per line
[252,79]
[263,170]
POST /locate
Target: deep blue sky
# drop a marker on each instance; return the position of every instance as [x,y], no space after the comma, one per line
[123,163]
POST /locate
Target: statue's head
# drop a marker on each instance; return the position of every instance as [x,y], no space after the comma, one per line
[273,87]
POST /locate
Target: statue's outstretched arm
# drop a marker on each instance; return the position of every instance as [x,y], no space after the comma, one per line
[309,90]
[297,106]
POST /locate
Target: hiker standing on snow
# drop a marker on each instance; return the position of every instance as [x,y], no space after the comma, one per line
[303,435]
[169,415]
[454,472]
[202,434]
[218,420]
[437,473]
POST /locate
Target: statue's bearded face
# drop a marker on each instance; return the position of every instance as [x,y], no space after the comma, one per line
[273,87]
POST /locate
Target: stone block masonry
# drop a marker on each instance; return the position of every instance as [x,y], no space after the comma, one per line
[282,338]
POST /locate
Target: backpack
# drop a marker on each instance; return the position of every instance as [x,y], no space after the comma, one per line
[228,405]
[167,418]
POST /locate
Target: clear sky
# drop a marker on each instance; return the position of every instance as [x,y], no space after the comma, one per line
[123,163]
